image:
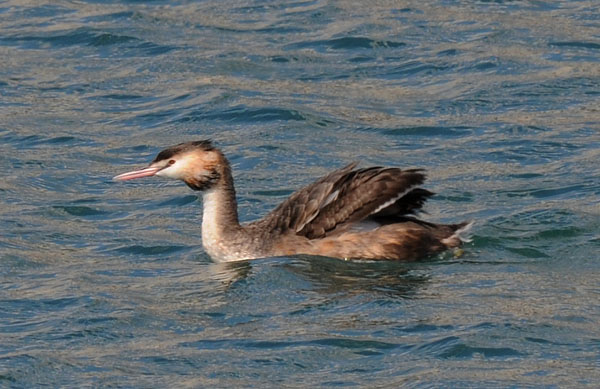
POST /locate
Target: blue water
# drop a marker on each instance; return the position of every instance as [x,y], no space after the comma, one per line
[106,284]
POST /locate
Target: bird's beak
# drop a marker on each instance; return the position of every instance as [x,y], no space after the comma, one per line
[147,172]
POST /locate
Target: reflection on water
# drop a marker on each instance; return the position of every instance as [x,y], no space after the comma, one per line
[108,285]
[388,279]
[227,274]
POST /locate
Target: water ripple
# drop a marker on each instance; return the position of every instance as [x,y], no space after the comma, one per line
[106,284]
[347,43]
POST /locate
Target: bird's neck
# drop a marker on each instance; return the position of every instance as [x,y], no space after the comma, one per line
[220,224]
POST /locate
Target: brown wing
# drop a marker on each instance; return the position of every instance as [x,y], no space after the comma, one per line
[341,198]
[409,204]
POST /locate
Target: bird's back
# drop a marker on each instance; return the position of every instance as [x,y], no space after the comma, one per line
[357,213]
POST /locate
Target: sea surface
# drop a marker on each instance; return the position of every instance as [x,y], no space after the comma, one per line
[106,284]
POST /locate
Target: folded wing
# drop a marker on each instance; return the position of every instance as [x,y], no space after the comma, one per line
[348,196]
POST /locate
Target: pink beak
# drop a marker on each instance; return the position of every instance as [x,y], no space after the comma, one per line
[147,172]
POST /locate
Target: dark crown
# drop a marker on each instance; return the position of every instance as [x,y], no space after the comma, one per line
[169,152]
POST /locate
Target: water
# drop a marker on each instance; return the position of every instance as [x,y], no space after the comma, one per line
[106,284]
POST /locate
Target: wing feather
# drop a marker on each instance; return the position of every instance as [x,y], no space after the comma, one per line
[345,196]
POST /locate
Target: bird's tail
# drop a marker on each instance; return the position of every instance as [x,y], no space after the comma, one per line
[461,234]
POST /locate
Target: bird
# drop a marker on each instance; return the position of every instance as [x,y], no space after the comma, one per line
[352,213]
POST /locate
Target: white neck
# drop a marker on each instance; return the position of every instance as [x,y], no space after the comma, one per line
[220,227]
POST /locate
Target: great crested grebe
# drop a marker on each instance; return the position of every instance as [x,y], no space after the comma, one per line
[350,214]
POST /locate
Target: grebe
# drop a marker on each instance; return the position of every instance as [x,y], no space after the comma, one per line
[351,213]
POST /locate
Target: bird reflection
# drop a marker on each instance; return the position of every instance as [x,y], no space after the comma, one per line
[332,276]
[228,273]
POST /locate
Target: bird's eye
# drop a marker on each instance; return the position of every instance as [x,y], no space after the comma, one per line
[172,161]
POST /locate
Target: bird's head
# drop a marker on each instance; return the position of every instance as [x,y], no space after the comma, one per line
[198,164]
